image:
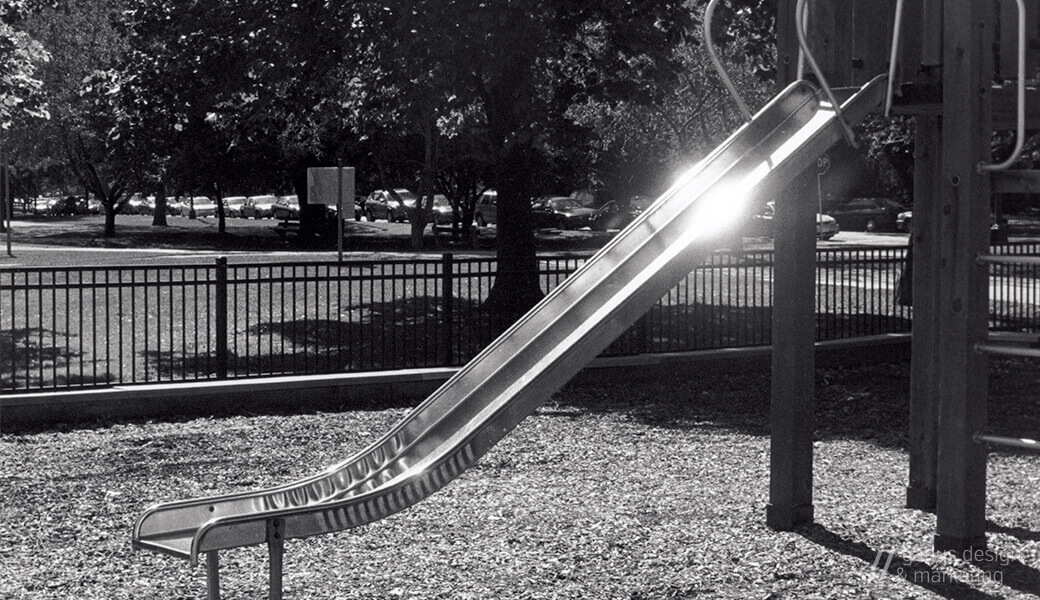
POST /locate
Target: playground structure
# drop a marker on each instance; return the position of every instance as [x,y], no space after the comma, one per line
[481,404]
[945,66]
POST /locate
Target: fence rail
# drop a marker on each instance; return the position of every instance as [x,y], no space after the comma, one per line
[82,327]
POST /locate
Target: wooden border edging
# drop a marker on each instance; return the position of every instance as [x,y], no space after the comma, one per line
[404,387]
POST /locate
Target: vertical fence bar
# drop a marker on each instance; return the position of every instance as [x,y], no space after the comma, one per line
[447,308]
[220,302]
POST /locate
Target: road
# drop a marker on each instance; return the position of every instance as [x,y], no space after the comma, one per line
[44,242]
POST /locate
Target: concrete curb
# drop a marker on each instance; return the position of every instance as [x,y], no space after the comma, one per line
[404,387]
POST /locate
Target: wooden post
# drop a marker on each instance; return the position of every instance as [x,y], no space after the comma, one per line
[794,327]
[963,308]
[925,349]
[794,337]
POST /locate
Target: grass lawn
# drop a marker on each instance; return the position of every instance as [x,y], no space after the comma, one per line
[638,489]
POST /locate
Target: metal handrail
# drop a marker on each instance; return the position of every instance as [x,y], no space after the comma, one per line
[1005,259]
[1020,125]
[713,55]
[803,18]
[800,29]
[893,57]
[1001,440]
[1007,350]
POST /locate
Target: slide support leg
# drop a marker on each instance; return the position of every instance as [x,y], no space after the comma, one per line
[212,576]
[275,548]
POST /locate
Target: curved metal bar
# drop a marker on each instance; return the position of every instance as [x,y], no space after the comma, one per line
[803,17]
[893,57]
[1020,125]
[849,134]
[713,55]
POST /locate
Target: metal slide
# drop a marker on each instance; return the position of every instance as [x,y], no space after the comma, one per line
[477,407]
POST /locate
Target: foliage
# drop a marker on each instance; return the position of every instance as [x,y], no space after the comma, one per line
[83,43]
[640,145]
[21,55]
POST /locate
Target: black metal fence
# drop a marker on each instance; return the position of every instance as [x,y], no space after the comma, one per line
[82,327]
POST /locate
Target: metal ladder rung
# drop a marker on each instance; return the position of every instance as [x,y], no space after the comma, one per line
[1007,259]
[999,440]
[1007,350]
[1014,337]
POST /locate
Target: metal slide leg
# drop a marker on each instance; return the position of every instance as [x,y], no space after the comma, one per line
[275,549]
[212,576]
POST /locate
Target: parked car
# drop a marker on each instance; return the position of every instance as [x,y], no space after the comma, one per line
[202,205]
[70,205]
[905,221]
[43,206]
[561,212]
[865,214]
[443,211]
[381,204]
[287,207]
[258,207]
[95,207]
[174,204]
[486,212]
[762,224]
[233,206]
[618,214]
[133,205]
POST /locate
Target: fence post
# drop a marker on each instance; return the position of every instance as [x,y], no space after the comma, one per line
[221,310]
[448,308]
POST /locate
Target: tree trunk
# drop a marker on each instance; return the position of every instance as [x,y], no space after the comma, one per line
[5,191]
[424,204]
[110,218]
[159,217]
[221,219]
[312,216]
[517,287]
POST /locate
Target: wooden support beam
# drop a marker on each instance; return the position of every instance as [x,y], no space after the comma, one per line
[793,359]
[926,99]
[963,282]
[924,353]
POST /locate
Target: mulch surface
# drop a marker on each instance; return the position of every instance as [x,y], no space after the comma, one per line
[643,488]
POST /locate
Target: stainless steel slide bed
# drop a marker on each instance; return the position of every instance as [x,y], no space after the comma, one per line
[486,399]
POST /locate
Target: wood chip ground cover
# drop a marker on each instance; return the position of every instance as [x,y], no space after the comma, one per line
[639,489]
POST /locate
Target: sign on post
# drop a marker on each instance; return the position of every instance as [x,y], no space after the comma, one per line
[332,186]
[323,186]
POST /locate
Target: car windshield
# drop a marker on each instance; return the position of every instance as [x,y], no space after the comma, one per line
[406,195]
[564,204]
[441,202]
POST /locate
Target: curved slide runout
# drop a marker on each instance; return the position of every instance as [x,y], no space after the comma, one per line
[487,398]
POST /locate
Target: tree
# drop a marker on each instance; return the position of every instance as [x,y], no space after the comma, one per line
[20,57]
[638,146]
[513,61]
[83,43]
